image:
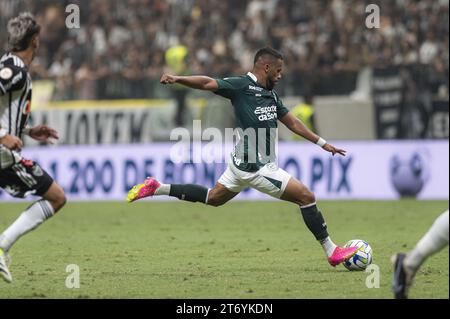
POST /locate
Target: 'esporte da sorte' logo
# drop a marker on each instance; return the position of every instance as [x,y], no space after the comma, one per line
[266,113]
[410,172]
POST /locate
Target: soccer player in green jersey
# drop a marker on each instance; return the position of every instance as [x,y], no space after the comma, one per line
[258,109]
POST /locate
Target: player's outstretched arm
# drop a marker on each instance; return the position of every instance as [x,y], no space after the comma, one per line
[199,82]
[43,133]
[299,128]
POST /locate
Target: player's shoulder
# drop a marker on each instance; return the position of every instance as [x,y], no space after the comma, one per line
[238,81]
[10,67]
[236,77]
[13,74]
[12,61]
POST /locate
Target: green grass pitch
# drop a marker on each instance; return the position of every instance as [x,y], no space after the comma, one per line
[241,250]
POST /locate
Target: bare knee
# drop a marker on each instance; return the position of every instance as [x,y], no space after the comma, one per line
[215,201]
[306,198]
[58,201]
[61,201]
[55,195]
[219,195]
[296,192]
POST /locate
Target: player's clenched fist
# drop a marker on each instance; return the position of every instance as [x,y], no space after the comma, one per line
[168,79]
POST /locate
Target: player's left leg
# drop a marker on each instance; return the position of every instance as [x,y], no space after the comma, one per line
[278,183]
[407,265]
[229,185]
[216,196]
[22,179]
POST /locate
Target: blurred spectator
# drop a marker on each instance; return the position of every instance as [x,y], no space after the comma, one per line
[176,58]
[121,44]
[305,113]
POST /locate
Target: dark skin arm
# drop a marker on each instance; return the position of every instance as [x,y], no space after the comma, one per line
[299,128]
[43,133]
[199,82]
[209,84]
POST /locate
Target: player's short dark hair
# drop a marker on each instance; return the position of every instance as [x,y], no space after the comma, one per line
[267,51]
[21,31]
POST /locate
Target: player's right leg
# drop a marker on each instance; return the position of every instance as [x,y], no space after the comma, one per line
[407,265]
[276,182]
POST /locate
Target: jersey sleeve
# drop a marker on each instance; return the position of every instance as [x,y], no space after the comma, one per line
[229,86]
[12,78]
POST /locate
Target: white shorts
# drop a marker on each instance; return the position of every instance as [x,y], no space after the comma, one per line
[270,179]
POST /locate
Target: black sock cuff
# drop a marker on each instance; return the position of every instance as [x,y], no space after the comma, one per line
[309,209]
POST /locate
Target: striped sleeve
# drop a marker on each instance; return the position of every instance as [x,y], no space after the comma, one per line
[12,78]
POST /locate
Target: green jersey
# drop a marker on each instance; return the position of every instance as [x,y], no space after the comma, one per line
[257,111]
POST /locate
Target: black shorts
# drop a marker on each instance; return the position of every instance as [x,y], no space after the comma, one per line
[25,178]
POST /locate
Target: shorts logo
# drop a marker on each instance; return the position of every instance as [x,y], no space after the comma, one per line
[272,166]
[37,171]
[27,163]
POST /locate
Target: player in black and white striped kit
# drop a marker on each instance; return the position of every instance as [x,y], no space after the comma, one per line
[18,176]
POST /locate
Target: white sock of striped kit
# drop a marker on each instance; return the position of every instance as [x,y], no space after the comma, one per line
[31,218]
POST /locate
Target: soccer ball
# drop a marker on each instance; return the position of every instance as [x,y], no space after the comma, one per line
[363,256]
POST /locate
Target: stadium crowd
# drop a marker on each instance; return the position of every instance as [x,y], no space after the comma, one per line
[119,51]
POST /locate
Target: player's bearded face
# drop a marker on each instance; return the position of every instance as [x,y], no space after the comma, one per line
[274,74]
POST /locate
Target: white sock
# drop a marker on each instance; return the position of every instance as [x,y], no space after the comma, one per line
[35,215]
[328,246]
[433,241]
[163,189]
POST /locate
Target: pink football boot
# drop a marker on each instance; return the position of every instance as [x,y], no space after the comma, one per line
[341,254]
[148,188]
